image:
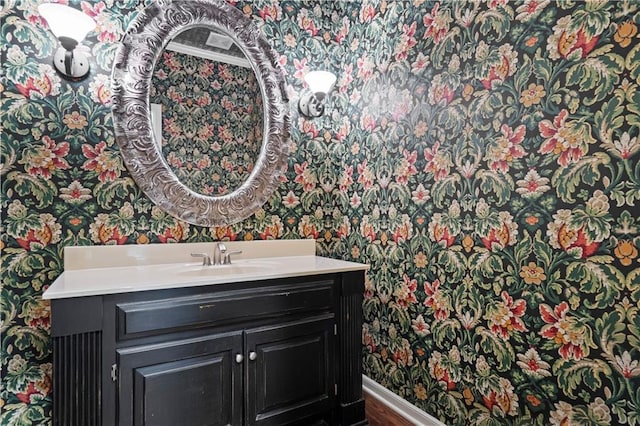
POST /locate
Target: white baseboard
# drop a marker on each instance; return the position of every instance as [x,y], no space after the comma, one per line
[401,406]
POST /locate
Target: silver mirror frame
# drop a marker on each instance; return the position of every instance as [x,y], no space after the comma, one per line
[139,50]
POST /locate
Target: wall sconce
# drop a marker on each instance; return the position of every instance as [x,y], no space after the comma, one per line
[312,101]
[70,26]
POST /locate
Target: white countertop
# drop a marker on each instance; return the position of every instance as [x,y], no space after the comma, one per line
[125,279]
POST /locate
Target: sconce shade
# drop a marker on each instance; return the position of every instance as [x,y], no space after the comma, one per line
[320,81]
[65,21]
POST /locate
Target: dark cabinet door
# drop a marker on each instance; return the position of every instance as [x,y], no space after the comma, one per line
[193,381]
[289,371]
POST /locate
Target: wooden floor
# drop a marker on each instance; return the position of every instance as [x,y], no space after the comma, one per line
[378,414]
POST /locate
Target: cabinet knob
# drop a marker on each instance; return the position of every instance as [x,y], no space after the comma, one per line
[239,358]
[253,356]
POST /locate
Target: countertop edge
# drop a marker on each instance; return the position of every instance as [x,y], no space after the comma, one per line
[332,266]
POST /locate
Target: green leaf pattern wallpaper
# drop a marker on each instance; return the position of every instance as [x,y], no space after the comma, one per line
[481,156]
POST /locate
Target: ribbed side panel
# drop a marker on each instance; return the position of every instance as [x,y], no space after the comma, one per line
[77,379]
[350,375]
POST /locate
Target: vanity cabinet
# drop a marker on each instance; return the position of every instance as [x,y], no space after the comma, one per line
[268,352]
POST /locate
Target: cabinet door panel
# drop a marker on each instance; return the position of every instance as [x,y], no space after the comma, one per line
[189,382]
[291,376]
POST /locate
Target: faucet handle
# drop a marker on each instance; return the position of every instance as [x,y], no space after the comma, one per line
[227,257]
[206,259]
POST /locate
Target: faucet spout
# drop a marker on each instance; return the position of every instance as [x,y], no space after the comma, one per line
[219,251]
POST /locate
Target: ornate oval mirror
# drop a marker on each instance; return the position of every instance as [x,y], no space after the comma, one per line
[243,189]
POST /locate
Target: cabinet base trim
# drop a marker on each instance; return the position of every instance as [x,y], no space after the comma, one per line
[401,406]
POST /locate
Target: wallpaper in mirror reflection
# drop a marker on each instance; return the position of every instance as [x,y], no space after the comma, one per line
[211,121]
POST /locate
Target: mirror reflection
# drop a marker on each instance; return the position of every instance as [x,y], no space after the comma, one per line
[207,111]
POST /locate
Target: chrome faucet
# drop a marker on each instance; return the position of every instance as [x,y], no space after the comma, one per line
[219,250]
[220,255]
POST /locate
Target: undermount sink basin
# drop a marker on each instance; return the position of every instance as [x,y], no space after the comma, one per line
[239,267]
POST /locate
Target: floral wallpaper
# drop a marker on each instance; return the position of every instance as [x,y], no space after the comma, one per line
[481,156]
[211,121]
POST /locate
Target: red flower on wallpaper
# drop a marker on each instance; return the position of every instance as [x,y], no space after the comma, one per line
[171,60]
[498,237]
[440,370]
[310,129]
[403,231]
[343,228]
[562,138]
[36,238]
[307,228]
[39,236]
[407,41]
[438,163]
[365,67]
[39,87]
[405,292]
[406,167]
[571,238]
[224,233]
[345,180]
[206,69]
[436,23]
[39,383]
[569,42]
[306,23]
[172,234]
[108,29]
[226,72]
[367,229]
[368,340]
[365,175]
[502,235]
[38,313]
[506,148]
[105,163]
[437,300]
[441,91]
[367,122]
[565,235]
[111,235]
[494,4]
[564,331]
[442,234]
[505,316]
[272,230]
[35,389]
[367,12]
[501,398]
[270,12]
[343,32]
[403,356]
[500,70]
[43,160]
[305,177]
